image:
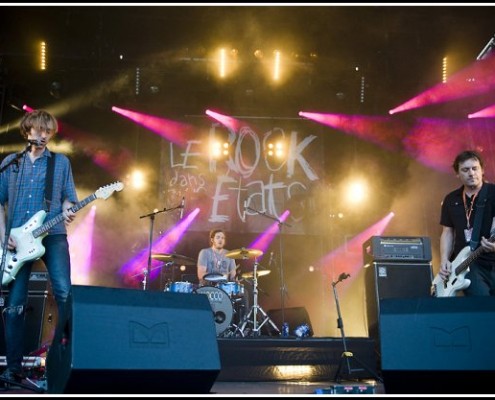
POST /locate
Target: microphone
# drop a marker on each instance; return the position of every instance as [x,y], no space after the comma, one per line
[34,142]
[343,276]
[271,259]
[182,205]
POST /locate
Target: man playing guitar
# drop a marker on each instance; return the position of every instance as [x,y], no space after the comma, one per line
[465,237]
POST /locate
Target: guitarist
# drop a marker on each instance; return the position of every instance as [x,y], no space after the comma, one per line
[23,192]
[458,212]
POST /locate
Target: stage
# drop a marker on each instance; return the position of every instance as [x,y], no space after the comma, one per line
[283,359]
[252,365]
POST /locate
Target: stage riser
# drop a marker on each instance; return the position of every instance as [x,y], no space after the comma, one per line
[309,359]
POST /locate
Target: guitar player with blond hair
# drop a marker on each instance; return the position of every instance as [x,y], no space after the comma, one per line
[33,181]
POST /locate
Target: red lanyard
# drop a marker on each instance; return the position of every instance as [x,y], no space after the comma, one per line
[470,211]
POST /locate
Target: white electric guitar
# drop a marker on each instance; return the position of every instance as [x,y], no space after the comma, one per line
[29,236]
[459,269]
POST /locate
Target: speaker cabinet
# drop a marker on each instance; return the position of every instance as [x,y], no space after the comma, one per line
[294,316]
[114,340]
[385,280]
[39,321]
[438,345]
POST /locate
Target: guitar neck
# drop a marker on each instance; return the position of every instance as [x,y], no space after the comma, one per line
[60,217]
[473,256]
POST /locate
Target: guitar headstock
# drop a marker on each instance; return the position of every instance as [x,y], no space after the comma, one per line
[106,191]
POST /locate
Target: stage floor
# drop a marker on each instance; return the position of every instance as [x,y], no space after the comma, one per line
[297,388]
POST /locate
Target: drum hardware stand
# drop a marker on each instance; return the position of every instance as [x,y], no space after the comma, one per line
[147,271]
[255,308]
[347,355]
[283,287]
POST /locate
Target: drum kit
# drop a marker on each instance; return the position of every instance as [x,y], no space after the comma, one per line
[224,296]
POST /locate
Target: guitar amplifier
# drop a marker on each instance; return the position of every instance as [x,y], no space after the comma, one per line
[399,248]
[38,281]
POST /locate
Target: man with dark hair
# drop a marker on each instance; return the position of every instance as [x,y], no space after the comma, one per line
[212,260]
[468,222]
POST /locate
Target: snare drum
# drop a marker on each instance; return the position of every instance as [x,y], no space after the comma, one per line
[179,287]
[234,289]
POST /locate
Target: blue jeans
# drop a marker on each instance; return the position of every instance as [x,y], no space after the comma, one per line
[482,280]
[57,262]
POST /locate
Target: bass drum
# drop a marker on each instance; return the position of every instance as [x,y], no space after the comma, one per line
[221,306]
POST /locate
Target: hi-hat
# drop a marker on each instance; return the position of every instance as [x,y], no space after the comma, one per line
[248,275]
[175,258]
[243,253]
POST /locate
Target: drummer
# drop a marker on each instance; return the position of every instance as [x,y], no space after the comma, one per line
[214,267]
[213,262]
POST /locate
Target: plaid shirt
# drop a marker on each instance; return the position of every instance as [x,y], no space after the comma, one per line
[22,186]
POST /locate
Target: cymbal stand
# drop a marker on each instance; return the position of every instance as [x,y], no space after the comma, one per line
[283,288]
[151,216]
[255,308]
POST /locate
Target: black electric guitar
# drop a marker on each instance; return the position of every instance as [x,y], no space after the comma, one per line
[460,267]
[29,236]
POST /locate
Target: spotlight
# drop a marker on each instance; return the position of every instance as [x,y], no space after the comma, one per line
[258,54]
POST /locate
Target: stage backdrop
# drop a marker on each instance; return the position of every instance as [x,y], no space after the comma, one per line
[221,187]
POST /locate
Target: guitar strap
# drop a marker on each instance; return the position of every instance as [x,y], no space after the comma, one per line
[480,208]
[50,168]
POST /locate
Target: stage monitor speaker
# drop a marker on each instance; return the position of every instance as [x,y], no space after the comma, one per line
[294,316]
[119,341]
[39,321]
[386,280]
[438,345]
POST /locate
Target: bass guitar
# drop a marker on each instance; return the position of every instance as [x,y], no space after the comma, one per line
[29,236]
[460,267]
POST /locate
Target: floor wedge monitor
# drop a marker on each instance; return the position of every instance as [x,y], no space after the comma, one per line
[438,345]
[117,341]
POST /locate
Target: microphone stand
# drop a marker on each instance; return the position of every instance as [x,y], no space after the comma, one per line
[283,288]
[151,216]
[347,355]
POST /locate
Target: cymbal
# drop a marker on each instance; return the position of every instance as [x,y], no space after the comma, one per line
[250,274]
[243,253]
[175,258]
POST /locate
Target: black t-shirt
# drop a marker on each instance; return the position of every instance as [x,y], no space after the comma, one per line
[453,215]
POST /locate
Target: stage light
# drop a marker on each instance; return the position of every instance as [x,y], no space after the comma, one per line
[137,179]
[277,55]
[356,192]
[275,149]
[219,149]
[222,64]
[137,81]
[43,51]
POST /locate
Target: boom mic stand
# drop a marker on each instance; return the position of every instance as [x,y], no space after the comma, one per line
[283,288]
[147,271]
[347,355]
